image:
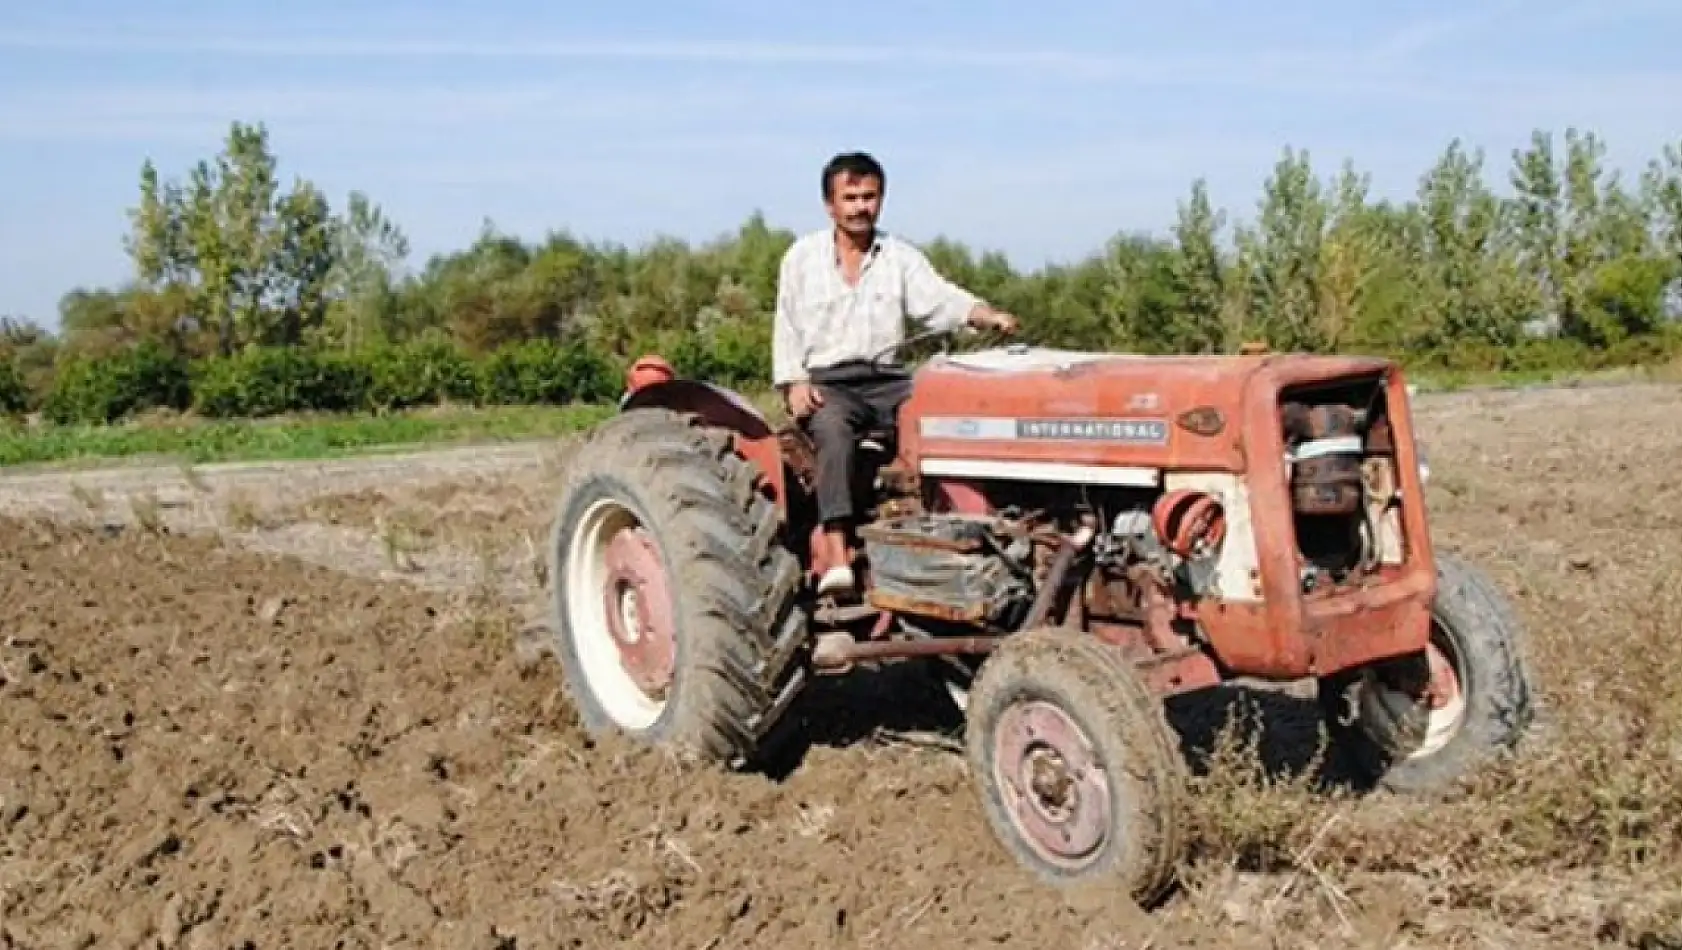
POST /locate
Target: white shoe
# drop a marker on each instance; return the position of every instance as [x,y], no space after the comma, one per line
[836,579]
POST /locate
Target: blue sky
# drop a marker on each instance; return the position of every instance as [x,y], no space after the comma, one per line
[1039,129]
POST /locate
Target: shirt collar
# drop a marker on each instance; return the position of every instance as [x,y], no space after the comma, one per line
[878,241]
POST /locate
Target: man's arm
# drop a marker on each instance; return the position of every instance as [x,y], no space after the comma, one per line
[939,302]
[787,344]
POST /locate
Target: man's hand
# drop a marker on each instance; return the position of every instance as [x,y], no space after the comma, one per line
[984,317]
[803,399]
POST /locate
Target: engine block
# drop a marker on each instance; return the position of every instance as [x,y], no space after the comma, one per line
[956,568]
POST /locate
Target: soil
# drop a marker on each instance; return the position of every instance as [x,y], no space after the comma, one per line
[302,705]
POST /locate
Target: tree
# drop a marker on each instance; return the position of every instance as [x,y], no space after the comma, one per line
[367,251]
[1538,208]
[1199,276]
[1468,275]
[1661,198]
[241,256]
[1279,258]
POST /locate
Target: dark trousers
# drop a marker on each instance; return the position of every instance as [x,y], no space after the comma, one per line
[856,399]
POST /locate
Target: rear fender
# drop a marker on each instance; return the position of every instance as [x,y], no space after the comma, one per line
[722,408]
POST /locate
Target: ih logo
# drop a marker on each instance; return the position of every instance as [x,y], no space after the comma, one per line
[1131,430]
[1148,431]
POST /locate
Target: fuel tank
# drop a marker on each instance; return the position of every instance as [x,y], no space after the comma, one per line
[975,414]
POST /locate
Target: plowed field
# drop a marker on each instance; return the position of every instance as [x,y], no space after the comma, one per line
[301,706]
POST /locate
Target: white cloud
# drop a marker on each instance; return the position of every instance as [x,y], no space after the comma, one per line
[119,102]
[800,54]
[127,111]
[1380,71]
[1302,69]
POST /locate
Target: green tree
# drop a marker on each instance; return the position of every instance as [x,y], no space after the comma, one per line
[1469,276]
[1279,259]
[241,256]
[367,251]
[1198,277]
[1661,196]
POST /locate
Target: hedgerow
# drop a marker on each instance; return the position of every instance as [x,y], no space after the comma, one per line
[269,381]
[105,389]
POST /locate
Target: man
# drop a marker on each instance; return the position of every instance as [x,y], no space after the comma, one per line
[843,296]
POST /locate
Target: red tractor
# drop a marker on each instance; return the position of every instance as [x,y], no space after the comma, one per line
[1072,537]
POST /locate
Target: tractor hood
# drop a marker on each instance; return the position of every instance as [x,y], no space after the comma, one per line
[1047,405]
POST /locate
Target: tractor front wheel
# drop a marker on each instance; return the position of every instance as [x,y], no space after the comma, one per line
[1422,723]
[674,603]
[1076,767]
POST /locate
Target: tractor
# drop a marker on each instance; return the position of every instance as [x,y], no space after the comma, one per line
[1068,539]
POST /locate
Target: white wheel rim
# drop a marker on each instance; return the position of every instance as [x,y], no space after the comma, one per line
[597,652]
[1440,726]
[1442,723]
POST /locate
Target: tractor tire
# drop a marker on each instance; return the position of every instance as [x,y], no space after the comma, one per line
[675,605]
[1406,746]
[1051,697]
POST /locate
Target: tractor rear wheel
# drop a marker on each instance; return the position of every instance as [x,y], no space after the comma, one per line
[1422,723]
[674,602]
[1077,770]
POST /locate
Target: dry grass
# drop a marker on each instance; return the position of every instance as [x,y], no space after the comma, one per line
[243,512]
[1581,835]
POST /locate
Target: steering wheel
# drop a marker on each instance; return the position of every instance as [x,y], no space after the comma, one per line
[945,335]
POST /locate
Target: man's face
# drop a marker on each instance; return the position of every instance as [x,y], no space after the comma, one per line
[855,202]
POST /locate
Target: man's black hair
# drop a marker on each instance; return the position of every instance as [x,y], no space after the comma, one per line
[853,165]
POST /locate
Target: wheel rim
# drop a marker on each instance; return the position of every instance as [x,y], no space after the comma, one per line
[1444,697]
[1429,699]
[619,605]
[1055,793]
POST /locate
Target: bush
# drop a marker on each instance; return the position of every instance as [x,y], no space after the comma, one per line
[734,354]
[148,376]
[1545,355]
[14,393]
[424,372]
[1646,349]
[544,372]
[270,381]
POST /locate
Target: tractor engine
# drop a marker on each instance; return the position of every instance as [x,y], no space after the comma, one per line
[956,568]
[1006,570]
[1341,482]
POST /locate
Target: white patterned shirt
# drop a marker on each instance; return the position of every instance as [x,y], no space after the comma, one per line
[822,321]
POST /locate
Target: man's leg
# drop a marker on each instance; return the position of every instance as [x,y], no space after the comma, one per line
[883,397]
[835,429]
